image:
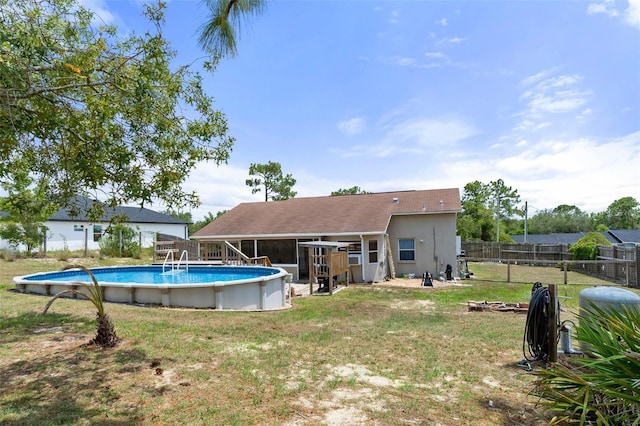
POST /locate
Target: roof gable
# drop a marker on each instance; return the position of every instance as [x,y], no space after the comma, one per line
[625,235]
[330,215]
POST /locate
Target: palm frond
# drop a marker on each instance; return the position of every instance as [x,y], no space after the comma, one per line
[602,388]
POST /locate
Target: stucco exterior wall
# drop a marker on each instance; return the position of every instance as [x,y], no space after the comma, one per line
[434,237]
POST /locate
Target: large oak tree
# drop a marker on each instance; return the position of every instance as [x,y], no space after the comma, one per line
[90,110]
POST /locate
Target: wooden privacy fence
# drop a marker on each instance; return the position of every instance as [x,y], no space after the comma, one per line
[616,264]
[480,250]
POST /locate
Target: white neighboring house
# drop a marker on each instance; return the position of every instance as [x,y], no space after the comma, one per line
[76,233]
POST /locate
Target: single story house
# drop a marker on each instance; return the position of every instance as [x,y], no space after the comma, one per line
[79,232]
[390,233]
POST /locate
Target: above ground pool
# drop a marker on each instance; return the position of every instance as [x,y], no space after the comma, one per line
[218,287]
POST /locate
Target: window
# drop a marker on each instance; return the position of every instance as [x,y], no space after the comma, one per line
[407,250]
[78,228]
[97,232]
[354,252]
[355,247]
[373,251]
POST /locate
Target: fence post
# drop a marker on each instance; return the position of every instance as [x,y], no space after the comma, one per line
[553,324]
[86,241]
[564,267]
[637,267]
[508,271]
[44,240]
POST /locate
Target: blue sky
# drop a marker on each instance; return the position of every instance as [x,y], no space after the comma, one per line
[423,95]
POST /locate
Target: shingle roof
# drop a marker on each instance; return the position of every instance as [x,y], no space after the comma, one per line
[625,235]
[554,238]
[133,214]
[332,215]
[614,236]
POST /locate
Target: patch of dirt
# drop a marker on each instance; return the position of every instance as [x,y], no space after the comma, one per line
[345,406]
[417,283]
[410,305]
[362,374]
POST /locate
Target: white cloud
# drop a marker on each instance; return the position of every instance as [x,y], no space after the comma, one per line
[416,135]
[606,7]
[435,55]
[353,126]
[220,188]
[451,40]
[551,172]
[630,15]
[546,172]
[394,17]
[442,22]
[554,172]
[404,61]
[533,79]
[559,102]
[548,94]
[430,132]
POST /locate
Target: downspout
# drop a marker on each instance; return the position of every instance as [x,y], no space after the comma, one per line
[362,269]
[435,256]
[298,259]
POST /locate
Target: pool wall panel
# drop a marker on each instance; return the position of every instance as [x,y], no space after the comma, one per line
[203,297]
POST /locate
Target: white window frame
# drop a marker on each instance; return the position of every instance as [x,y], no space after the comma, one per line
[406,250]
[372,252]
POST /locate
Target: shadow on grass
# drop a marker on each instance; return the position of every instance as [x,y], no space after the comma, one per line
[60,380]
[512,411]
[514,414]
[21,327]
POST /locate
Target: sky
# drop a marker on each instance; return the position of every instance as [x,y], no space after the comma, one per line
[402,95]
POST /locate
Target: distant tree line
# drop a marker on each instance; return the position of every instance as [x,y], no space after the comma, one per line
[493,211]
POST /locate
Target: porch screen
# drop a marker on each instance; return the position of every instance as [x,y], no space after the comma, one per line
[278,251]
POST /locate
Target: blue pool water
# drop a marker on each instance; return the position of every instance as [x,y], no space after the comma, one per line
[154,275]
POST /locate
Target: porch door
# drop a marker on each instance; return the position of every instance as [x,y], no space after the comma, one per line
[303,261]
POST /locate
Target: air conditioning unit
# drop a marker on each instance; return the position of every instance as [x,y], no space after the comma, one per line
[355,259]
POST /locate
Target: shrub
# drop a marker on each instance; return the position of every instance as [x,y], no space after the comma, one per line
[121,241]
[586,248]
[604,388]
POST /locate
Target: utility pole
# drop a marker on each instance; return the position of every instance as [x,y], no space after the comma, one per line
[498,219]
[526,214]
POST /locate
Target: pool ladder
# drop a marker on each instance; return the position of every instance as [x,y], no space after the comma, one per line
[175,267]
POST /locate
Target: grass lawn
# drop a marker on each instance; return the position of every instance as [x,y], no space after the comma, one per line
[366,355]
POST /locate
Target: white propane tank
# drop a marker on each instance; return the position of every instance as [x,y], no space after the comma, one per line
[607,298]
